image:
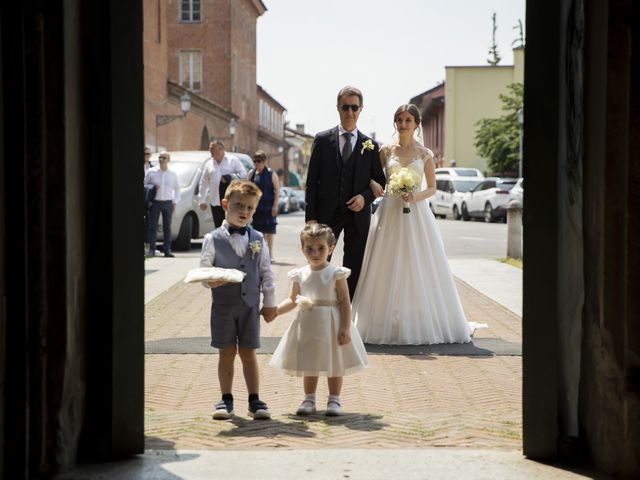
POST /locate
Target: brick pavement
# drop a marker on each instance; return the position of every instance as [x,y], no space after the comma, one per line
[399,401]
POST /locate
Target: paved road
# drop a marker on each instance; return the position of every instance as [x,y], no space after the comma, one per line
[471,239]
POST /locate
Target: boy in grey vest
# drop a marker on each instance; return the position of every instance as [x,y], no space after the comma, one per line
[235,313]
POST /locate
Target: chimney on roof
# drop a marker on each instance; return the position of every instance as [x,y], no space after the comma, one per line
[300,127]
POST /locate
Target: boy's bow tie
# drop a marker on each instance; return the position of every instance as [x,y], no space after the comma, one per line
[238,230]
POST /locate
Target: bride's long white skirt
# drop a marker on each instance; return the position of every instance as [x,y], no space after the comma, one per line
[406,294]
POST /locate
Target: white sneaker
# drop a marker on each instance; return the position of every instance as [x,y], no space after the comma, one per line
[334,408]
[307,407]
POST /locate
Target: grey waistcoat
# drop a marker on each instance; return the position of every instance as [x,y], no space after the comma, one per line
[249,290]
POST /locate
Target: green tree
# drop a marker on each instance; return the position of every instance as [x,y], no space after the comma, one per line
[494,55]
[498,139]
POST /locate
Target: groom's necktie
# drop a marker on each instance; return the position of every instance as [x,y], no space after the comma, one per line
[347,149]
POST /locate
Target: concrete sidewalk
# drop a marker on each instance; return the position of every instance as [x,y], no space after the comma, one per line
[160,273]
[499,281]
[353,464]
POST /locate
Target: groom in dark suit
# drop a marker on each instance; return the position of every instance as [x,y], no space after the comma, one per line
[342,162]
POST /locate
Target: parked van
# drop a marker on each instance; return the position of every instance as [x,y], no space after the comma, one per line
[449,191]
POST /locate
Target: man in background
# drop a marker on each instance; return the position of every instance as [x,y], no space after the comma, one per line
[219,172]
[166,198]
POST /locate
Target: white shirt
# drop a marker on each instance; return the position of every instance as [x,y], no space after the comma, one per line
[342,140]
[239,243]
[208,190]
[166,182]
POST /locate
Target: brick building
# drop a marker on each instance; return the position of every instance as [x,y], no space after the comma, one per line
[431,105]
[271,128]
[208,48]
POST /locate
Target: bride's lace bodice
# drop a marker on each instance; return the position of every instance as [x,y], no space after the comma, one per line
[394,164]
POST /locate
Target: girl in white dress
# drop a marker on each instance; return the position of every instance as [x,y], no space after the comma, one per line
[406,294]
[321,340]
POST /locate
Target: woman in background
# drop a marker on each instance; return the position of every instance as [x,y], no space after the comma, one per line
[264,220]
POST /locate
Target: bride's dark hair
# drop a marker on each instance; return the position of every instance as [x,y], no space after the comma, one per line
[414,111]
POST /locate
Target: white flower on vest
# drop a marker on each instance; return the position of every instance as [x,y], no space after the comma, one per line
[256,247]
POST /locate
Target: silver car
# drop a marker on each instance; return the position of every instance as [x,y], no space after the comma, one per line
[188,221]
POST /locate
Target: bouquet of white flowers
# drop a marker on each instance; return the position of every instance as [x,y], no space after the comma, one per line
[404,180]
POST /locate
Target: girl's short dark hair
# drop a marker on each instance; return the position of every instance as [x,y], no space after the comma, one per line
[318,231]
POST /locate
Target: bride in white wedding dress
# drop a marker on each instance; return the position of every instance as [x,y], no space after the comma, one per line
[406,294]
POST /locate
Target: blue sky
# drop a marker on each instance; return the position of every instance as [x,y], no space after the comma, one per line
[391,50]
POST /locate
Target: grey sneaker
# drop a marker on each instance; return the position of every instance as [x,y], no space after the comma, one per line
[223,410]
[334,408]
[258,410]
[307,407]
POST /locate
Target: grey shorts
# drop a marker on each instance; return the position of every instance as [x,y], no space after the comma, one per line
[235,325]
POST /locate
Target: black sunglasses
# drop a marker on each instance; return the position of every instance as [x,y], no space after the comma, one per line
[346,107]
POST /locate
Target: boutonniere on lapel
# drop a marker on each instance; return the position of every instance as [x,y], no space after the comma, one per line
[367,145]
[255,247]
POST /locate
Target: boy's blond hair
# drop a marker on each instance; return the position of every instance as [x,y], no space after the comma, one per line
[243,187]
[318,231]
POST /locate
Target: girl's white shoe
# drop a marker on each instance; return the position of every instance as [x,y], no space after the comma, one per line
[334,408]
[307,407]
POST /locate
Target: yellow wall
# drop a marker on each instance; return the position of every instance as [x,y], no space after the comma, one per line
[472,93]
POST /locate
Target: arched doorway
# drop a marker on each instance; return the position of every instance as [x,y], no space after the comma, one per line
[204,139]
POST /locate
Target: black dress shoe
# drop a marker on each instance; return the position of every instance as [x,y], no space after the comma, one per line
[170,255]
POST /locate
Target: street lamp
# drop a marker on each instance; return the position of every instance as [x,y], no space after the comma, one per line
[520,114]
[232,132]
[185,106]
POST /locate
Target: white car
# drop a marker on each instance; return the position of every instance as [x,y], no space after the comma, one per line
[188,221]
[464,172]
[488,199]
[449,193]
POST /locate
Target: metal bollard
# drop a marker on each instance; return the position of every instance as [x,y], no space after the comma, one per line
[514,229]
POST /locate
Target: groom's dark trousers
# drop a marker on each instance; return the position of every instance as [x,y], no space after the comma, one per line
[331,182]
[354,245]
